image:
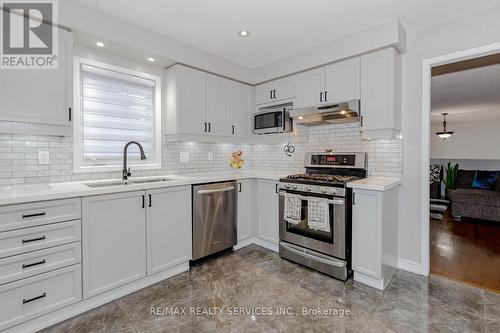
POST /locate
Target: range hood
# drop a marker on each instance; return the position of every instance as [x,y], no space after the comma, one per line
[327,114]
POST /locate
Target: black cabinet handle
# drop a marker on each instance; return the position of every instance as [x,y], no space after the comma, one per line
[150,200]
[274,93]
[41,262]
[24,241]
[34,298]
[143,201]
[270,94]
[326,98]
[232,129]
[69,115]
[25,216]
[321,96]
[209,127]
[354,198]
[277,190]
[205,127]
[239,187]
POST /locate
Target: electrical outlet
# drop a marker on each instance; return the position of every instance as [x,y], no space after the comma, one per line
[210,155]
[184,158]
[43,157]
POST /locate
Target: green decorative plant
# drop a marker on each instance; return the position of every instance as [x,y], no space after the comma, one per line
[451,176]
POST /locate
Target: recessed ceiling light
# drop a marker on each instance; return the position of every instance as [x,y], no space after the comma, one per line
[151,59]
[100,44]
[243,33]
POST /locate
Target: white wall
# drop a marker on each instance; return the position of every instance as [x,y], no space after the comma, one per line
[461,33]
[471,141]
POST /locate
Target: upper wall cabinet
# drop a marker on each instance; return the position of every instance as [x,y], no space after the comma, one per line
[40,98]
[218,104]
[198,103]
[381,94]
[276,90]
[241,100]
[342,81]
[338,82]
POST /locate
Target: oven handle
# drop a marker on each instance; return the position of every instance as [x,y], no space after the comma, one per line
[333,202]
[310,256]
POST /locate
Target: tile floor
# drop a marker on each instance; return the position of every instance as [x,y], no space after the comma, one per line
[256,279]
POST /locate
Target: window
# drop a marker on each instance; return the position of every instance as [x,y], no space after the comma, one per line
[113,106]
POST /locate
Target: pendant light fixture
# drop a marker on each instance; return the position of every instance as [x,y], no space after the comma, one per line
[444,134]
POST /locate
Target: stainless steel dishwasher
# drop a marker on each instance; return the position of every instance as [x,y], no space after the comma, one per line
[214,218]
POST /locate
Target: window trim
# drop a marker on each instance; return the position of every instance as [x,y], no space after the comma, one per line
[77,115]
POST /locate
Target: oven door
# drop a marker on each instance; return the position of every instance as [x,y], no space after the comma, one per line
[269,122]
[331,243]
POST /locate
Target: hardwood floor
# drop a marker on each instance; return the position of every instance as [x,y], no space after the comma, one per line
[467,251]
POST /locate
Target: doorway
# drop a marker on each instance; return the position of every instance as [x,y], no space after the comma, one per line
[460,241]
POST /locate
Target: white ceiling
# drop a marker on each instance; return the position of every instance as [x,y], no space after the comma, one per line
[471,95]
[279,28]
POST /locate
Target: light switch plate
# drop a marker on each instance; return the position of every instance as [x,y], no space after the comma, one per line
[184,158]
[43,157]
[210,156]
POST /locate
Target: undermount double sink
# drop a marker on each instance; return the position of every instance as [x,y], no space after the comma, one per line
[108,183]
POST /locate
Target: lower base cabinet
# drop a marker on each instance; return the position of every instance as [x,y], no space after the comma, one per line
[114,241]
[38,295]
[127,236]
[375,236]
[268,210]
[245,209]
[168,225]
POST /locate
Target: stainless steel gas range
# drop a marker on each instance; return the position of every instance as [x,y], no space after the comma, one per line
[325,247]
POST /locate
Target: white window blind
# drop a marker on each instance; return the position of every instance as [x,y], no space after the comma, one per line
[116,108]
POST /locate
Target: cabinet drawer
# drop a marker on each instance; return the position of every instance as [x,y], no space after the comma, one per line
[41,261]
[39,213]
[37,238]
[32,297]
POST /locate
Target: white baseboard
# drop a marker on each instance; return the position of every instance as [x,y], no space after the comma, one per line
[243,243]
[266,244]
[93,302]
[369,281]
[409,266]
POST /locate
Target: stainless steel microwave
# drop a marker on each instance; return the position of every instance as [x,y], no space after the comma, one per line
[273,119]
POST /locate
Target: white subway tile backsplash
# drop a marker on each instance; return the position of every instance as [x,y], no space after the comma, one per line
[19,156]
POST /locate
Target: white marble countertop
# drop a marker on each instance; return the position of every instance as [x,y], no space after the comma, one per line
[40,192]
[375,183]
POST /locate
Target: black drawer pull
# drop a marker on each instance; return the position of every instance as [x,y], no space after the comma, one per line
[34,298]
[25,216]
[150,201]
[41,262]
[33,240]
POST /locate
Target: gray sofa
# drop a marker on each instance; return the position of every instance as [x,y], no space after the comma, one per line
[474,203]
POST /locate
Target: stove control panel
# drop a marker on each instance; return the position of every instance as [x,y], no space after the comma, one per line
[333,160]
[336,191]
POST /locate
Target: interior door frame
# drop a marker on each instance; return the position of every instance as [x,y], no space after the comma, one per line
[426,132]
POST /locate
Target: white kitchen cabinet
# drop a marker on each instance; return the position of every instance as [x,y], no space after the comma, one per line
[268,211]
[218,105]
[168,224]
[185,101]
[276,90]
[245,209]
[381,94]
[114,241]
[337,82]
[202,104]
[342,81]
[310,88]
[375,236]
[240,106]
[40,98]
